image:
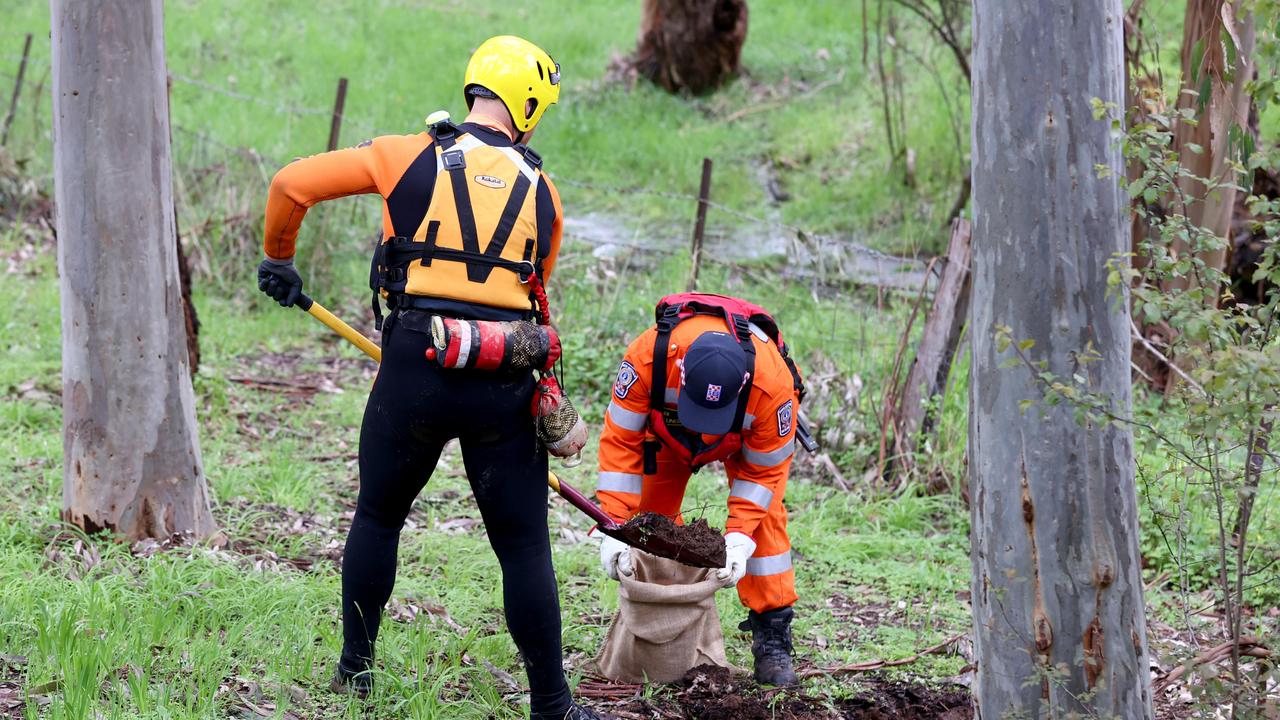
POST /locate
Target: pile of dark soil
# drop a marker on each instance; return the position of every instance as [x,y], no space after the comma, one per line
[712,693]
[696,538]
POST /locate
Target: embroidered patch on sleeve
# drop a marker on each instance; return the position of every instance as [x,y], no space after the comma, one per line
[786,417]
[626,378]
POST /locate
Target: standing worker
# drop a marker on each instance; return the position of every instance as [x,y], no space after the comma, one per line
[431,263]
[712,381]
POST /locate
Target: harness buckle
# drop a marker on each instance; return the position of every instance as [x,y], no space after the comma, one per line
[526,271]
[670,318]
[453,160]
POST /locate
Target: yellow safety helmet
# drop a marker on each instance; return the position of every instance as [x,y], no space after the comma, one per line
[515,71]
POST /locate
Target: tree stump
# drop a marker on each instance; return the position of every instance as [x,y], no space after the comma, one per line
[691,46]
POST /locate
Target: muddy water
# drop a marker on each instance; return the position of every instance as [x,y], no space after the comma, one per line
[826,259]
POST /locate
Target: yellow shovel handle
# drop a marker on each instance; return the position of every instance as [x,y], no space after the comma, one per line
[335,324]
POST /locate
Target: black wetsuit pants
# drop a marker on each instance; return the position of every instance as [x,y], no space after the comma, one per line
[414,408]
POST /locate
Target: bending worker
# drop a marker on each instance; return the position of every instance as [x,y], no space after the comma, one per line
[444,192]
[711,382]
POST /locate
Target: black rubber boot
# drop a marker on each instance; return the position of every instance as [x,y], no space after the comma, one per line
[771,646]
[345,682]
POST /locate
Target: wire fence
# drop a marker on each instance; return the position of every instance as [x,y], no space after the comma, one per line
[803,246]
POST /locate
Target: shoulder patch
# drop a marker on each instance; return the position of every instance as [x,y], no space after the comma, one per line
[786,418]
[627,377]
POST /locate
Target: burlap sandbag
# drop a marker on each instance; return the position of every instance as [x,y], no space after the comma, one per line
[667,623]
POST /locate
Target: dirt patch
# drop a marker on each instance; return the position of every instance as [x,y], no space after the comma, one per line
[893,700]
[708,692]
[697,537]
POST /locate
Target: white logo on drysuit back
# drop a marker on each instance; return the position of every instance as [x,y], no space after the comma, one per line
[627,377]
[490,181]
[786,416]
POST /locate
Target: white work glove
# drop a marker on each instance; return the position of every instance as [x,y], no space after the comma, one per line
[737,549]
[615,556]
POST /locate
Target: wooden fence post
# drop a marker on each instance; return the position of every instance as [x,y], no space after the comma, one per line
[335,126]
[704,193]
[17,90]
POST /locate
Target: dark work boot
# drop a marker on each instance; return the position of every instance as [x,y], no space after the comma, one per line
[771,645]
[346,682]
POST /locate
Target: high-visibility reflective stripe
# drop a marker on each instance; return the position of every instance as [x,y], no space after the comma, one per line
[771,458]
[620,482]
[752,492]
[747,419]
[769,564]
[760,334]
[520,163]
[672,396]
[464,343]
[626,419]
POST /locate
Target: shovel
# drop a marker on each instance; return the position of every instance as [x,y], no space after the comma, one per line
[633,536]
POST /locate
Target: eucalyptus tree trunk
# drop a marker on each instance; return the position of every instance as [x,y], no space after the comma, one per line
[1057,592]
[1217,64]
[131,454]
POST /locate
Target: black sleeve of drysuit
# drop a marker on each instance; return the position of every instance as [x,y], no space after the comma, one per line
[546,214]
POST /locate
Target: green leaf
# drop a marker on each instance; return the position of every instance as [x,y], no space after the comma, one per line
[1197,57]
[1026,345]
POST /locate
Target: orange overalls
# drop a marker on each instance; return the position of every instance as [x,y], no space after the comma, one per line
[757,474]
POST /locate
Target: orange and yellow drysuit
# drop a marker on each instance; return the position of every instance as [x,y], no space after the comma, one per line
[757,473]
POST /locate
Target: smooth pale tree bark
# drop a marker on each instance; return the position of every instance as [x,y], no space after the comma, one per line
[131,454]
[691,45]
[1221,102]
[1057,593]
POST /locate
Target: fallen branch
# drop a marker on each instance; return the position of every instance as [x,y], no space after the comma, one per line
[881,664]
[836,476]
[607,689]
[1249,647]
[1137,335]
[502,676]
[763,107]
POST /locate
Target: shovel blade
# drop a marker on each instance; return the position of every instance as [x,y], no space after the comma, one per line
[661,547]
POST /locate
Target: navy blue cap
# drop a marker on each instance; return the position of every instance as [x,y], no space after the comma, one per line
[715,369]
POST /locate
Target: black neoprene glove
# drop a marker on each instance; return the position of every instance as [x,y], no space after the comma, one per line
[280,280]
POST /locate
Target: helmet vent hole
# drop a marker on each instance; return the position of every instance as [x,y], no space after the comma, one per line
[530,107]
[540,75]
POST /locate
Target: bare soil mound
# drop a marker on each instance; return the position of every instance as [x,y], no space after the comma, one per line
[697,537]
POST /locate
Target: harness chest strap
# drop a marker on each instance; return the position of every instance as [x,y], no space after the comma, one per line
[394,256]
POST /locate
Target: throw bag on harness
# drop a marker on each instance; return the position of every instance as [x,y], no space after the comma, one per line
[559,426]
[491,345]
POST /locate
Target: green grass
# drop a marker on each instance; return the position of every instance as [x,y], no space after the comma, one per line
[405,59]
[195,632]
